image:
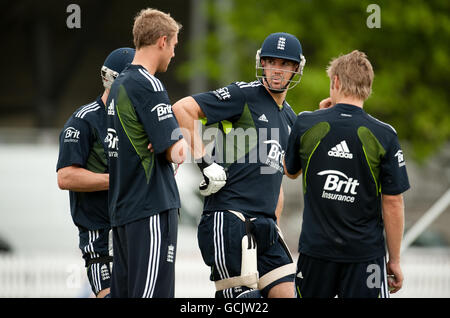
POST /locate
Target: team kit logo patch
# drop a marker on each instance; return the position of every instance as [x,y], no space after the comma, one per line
[275,156]
[104,271]
[281,43]
[340,151]
[163,111]
[112,142]
[338,186]
[111,111]
[71,134]
[222,93]
[401,160]
[263,118]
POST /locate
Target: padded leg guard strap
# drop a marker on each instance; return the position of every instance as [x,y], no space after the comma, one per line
[237,281]
[276,274]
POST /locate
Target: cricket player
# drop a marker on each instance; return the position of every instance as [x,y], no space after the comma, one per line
[143,195]
[83,170]
[354,175]
[238,235]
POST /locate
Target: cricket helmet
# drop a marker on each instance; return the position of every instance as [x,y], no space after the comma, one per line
[115,63]
[284,46]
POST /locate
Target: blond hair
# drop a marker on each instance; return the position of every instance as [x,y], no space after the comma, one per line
[150,25]
[355,74]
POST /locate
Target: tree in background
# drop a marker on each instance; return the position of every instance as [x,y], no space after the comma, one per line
[409,53]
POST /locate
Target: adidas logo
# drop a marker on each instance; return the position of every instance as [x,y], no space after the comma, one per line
[111,108]
[341,151]
[263,118]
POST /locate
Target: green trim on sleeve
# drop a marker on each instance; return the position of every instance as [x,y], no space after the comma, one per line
[97,161]
[309,142]
[374,152]
[135,131]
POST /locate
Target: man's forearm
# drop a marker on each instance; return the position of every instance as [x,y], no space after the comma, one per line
[187,113]
[82,180]
[177,152]
[394,220]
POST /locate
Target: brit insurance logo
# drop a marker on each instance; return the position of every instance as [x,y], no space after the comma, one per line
[112,142]
[71,134]
[340,151]
[275,156]
[163,111]
[222,93]
[401,160]
[338,186]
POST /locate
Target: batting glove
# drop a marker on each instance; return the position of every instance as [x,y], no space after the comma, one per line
[214,177]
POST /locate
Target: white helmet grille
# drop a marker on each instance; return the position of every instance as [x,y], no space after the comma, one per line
[108,76]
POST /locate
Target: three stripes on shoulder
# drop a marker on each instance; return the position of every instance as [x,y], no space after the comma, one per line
[87,109]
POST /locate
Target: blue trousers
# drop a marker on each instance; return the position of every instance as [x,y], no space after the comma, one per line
[144,257]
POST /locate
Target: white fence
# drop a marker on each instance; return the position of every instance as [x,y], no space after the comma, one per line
[64,275]
[41,276]
[427,274]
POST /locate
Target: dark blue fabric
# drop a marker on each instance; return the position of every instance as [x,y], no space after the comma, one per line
[134,192]
[317,278]
[144,257]
[342,218]
[85,128]
[254,179]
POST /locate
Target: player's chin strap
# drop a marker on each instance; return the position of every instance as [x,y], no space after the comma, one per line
[249,265]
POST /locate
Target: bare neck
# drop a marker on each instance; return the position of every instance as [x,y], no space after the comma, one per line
[278,98]
[105,96]
[147,58]
[350,101]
